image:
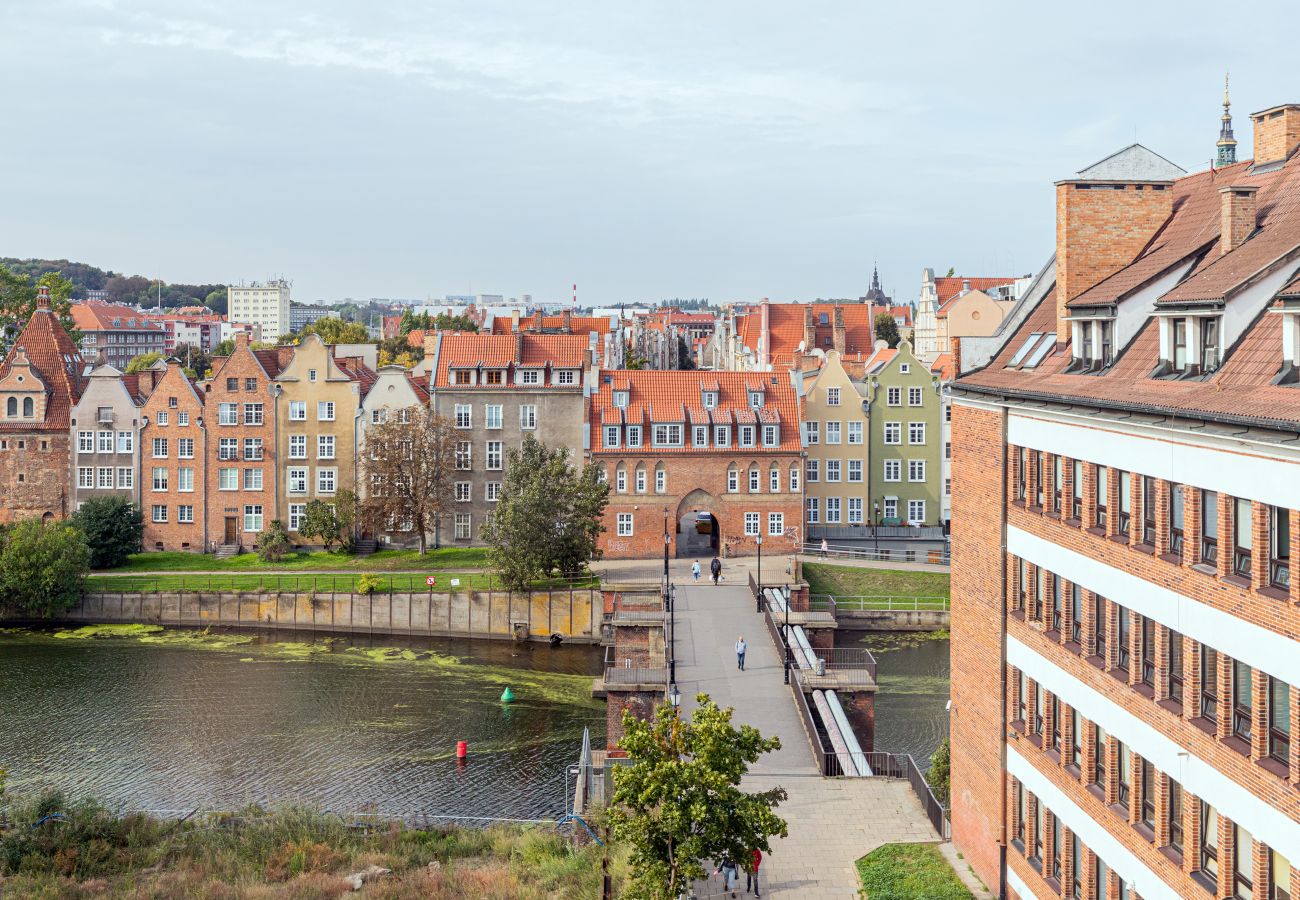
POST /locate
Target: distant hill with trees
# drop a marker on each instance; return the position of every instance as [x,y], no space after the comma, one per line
[135,289]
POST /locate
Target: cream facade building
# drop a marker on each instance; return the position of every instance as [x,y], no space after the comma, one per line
[264,304]
[835,441]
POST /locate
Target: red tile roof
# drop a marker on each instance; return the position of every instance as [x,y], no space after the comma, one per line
[110,317]
[499,351]
[786,327]
[945,366]
[951,285]
[55,359]
[577,324]
[356,369]
[670,393]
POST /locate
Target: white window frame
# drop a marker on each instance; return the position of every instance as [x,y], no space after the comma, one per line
[464,415]
[916,510]
[833,468]
[611,435]
[893,471]
[893,433]
[297,446]
[625,525]
[813,510]
[667,434]
[855,511]
[227,413]
[327,480]
[528,417]
[894,396]
[126,441]
[916,471]
[775,524]
[753,523]
[722,435]
[463,526]
[915,396]
[464,491]
[853,471]
[832,510]
[297,410]
[854,435]
[771,435]
[325,411]
[227,479]
[832,396]
[325,446]
[160,478]
[795,471]
[185,514]
[915,430]
[496,455]
[104,478]
[125,478]
[297,481]
[253,517]
[185,479]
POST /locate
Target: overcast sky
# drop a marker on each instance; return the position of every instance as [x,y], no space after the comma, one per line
[642,150]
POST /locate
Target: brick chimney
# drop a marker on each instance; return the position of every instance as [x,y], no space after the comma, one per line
[809,329]
[1101,226]
[43,298]
[1239,215]
[1277,132]
[837,330]
[241,339]
[566,322]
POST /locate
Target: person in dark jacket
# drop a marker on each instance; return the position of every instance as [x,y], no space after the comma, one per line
[727,868]
[715,569]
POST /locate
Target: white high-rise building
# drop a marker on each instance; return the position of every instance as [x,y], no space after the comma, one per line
[262,303]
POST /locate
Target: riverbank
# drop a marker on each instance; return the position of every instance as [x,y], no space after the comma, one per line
[84,850]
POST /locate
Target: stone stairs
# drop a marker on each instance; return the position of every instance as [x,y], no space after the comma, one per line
[365,548]
[225,551]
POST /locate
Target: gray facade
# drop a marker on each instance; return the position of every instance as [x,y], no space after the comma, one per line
[105,439]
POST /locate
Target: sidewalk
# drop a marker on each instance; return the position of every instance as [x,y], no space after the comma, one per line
[832,822]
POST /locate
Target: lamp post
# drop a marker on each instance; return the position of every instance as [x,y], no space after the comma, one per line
[875,526]
[669,604]
[787,634]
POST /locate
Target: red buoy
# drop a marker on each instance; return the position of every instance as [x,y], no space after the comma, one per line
[462,749]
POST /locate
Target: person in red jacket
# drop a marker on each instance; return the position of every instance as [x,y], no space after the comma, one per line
[751,871]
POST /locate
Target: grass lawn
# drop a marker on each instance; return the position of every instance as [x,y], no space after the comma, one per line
[909,872]
[852,581]
[382,561]
[302,584]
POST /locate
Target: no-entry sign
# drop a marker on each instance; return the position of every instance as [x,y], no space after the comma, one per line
[431,580]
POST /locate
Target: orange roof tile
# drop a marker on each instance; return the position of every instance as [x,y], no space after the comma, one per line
[786,327]
[951,285]
[577,324]
[53,356]
[110,317]
[468,351]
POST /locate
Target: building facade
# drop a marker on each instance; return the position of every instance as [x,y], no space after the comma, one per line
[104,432]
[114,335]
[392,398]
[905,408]
[264,304]
[1125,515]
[836,429]
[173,483]
[710,462]
[496,389]
[943,311]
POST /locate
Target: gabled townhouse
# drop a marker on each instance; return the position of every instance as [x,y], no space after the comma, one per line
[104,430]
[836,429]
[905,410]
[393,397]
[959,306]
[173,446]
[241,445]
[708,462]
[497,388]
[317,407]
[40,380]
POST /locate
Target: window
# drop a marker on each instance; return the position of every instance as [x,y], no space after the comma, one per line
[733,480]
[228,414]
[624,524]
[464,415]
[620,399]
[125,478]
[1209,528]
[814,470]
[774,480]
[915,396]
[464,491]
[1123,631]
[1174,815]
[1076,500]
[1279,720]
[1147,651]
[528,417]
[253,448]
[324,446]
[1279,547]
[833,396]
[232,385]
[464,455]
[1076,614]
[1180,345]
[228,479]
[526,376]
[634,435]
[325,411]
[891,507]
[1208,856]
[298,481]
[494,376]
[1147,787]
[105,415]
[893,470]
[228,448]
[104,477]
[710,399]
[1243,857]
[1177,516]
[721,435]
[916,432]
[776,523]
[916,470]
[832,470]
[1174,685]
[667,435]
[753,480]
[1125,501]
[640,480]
[1242,701]
[661,480]
[252,479]
[1076,739]
[916,511]
[1057,476]
[160,477]
[1241,537]
[1099,757]
[746,435]
[297,446]
[894,396]
[253,414]
[893,432]
[297,410]
[494,455]
[297,512]
[832,432]
[493,415]
[620,480]
[325,481]
[185,448]
[904,368]
[85,441]
[1100,609]
[1058,602]
[160,448]
[832,510]
[1209,677]
[811,432]
[855,470]
[794,478]
[185,514]
[104,442]
[611,435]
[158,513]
[771,435]
[378,416]
[855,432]
[1075,883]
[755,399]
[253,517]
[1279,881]
[1054,713]
[184,479]
[1099,520]
[855,510]
[751,523]
[182,418]
[814,510]
[492,492]
[1148,510]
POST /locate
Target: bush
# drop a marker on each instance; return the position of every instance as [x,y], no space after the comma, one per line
[112,526]
[319,521]
[940,771]
[42,568]
[273,544]
[367,583]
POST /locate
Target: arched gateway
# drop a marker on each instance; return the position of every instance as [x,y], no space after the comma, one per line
[699,531]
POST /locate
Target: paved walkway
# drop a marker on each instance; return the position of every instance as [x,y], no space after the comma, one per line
[832,822]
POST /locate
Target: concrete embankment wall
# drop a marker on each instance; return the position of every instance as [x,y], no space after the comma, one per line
[574,615]
[893,620]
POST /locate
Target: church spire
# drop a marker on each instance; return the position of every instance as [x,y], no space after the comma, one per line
[875,277]
[1227,146]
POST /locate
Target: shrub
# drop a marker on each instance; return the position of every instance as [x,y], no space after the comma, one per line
[367,583]
[273,544]
[112,526]
[940,770]
[42,568]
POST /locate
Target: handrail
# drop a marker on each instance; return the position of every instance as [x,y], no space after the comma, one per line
[879,602]
[879,554]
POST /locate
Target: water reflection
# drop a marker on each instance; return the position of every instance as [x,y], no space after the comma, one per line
[911,714]
[183,719]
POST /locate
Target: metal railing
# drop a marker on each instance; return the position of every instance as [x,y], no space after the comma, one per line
[843,658]
[881,554]
[902,765]
[882,602]
[623,672]
[827,760]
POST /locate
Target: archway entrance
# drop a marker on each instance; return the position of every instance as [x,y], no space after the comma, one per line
[699,534]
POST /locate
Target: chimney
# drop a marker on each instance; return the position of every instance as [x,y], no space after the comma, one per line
[965,285]
[955,342]
[1277,133]
[43,298]
[241,339]
[1238,217]
[809,329]
[1101,226]
[519,347]
[566,322]
[837,330]
[514,320]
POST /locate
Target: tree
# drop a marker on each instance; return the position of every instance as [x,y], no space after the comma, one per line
[548,517]
[678,804]
[447,322]
[217,301]
[319,521]
[634,360]
[273,544]
[941,771]
[887,329]
[142,362]
[112,527]
[332,330]
[225,348]
[347,512]
[684,358]
[196,360]
[18,301]
[408,465]
[42,568]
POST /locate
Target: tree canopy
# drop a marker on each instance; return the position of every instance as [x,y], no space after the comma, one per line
[887,329]
[678,805]
[42,568]
[332,330]
[142,362]
[18,301]
[443,321]
[112,527]
[408,466]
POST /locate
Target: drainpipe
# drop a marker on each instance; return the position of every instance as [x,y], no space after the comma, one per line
[277,391]
[203,429]
[1002,662]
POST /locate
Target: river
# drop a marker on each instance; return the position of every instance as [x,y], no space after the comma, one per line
[148,719]
[911,704]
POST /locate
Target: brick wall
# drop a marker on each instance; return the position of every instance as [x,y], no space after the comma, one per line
[174,534]
[34,467]
[229,504]
[1237,216]
[1276,133]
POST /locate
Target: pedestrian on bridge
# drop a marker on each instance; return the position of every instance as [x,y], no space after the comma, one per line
[741,647]
[715,568]
[751,871]
[825,547]
[695,570]
[727,869]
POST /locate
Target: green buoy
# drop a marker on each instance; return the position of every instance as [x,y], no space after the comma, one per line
[507,696]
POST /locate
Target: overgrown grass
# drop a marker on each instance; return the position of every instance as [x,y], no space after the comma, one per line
[445,558]
[332,583]
[89,852]
[853,581]
[909,872]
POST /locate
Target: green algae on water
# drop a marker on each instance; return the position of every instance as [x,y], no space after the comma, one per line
[88,632]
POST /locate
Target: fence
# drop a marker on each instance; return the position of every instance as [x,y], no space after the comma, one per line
[883,603]
[882,554]
[902,765]
[626,673]
[344,583]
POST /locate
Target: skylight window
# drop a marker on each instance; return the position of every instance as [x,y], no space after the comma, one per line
[1025,348]
[1044,347]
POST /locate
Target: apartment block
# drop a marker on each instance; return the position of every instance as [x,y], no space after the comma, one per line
[905,407]
[1126,509]
[264,304]
[396,393]
[497,388]
[114,335]
[173,449]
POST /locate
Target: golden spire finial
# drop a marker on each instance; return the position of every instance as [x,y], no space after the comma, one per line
[1226,102]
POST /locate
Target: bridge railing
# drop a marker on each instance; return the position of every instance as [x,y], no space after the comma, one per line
[881,602]
[903,765]
[881,554]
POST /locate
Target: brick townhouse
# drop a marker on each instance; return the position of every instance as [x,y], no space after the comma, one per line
[40,380]
[714,456]
[174,457]
[496,389]
[1125,515]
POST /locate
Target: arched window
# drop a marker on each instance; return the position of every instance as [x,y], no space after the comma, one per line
[733,479]
[640,478]
[29,409]
[794,478]
[661,478]
[754,485]
[11,408]
[774,479]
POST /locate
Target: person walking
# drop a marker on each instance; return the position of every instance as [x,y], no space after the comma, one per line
[695,570]
[751,871]
[741,647]
[715,568]
[727,868]
[824,548]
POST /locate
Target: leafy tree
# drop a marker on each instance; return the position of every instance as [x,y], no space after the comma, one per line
[142,362]
[319,521]
[196,360]
[952,270]
[634,360]
[347,512]
[887,329]
[112,527]
[18,301]
[941,772]
[225,348]
[678,804]
[218,301]
[273,544]
[549,515]
[408,465]
[42,568]
[447,322]
[684,358]
[332,330]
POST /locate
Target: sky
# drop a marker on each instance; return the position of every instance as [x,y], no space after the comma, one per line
[725,150]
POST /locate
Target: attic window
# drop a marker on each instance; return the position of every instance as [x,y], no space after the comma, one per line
[1044,347]
[1024,349]
[823,319]
[620,399]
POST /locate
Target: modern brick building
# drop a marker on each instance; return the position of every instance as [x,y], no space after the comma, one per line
[1126,508]
[173,483]
[116,334]
[714,457]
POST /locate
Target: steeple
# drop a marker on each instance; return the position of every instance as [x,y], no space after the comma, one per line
[875,277]
[1227,152]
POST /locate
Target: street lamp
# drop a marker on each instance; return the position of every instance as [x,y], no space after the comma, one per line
[787,634]
[875,527]
[672,613]
[758,539]
[674,697]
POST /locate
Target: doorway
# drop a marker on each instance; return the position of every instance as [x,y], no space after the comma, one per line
[697,535]
[232,529]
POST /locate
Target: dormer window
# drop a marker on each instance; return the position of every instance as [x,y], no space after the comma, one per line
[1179,341]
[620,399]
[462,376]
[755,399]
[710,399]
[528,376]
[1210,356]
[1189,345]
[1290,372]
[494,376]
